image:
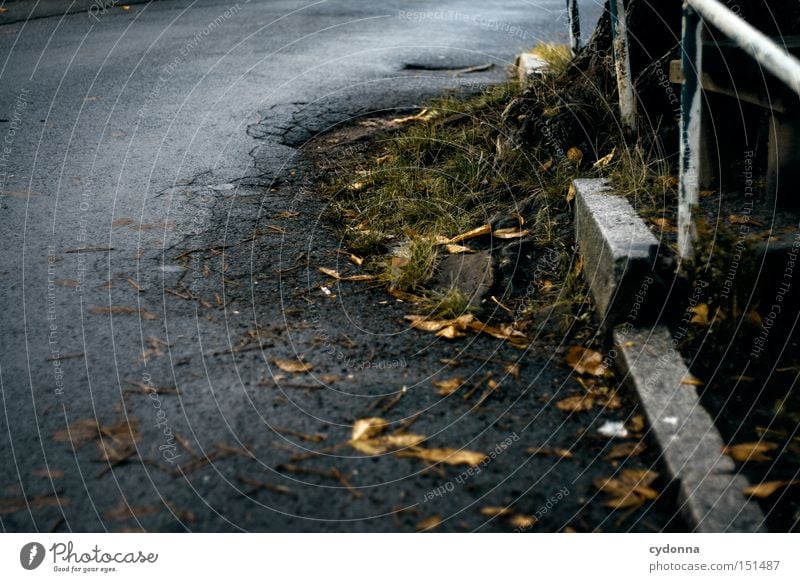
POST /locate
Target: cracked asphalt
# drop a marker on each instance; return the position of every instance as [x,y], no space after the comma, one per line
[161,243]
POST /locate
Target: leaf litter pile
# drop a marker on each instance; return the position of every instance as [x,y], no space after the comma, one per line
[452,182]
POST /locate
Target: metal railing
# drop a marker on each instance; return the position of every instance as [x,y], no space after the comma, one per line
[768,54]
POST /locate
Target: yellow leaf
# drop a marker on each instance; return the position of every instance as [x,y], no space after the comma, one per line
[692,381]
[571,192]
[668,181]
[700,314]
[586,361]
[508,233]
[512,369]
[447,387]
[458,249]
[574,154]
[429,523]
[424,115]
[576,403]
[605,160]
[368,427]
[491,511]
[447,456]
[385,444]
[475,232]
[522,521]
[555,452]
[767,488]
[449,332]
[744,452]
[293,366]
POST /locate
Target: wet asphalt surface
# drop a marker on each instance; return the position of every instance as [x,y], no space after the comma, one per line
[161,238]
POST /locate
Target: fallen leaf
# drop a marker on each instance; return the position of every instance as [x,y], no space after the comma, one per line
[458,249]
[630,489]
[449,332]
[636,423]
[548,165]
[586,361]
[754,452]
[522,521]
[121,222]
[574,154]
[508,233]
[475,232]
[626,450]
[429,523]
[767,488]
[668,181]
[700,314]
[356,260]
[579,403]
[554,452]
[690,380]
[605,160]
[386,444]
[491,511]
[294,366]
[447,387]
[368,427]
[336,275]
[665,225]
[512,369]
[447,456]
[571,192]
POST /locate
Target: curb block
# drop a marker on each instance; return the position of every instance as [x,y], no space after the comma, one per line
[710,490]
[620,254]
[619,250]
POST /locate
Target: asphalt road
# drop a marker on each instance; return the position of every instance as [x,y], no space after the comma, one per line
[161,239]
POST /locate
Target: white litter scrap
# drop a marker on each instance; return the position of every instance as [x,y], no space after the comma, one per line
[325,290]
[613,429]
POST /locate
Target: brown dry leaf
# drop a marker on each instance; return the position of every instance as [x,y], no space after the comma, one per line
[767,488]
[700,314]
[356,260]
[738,219]
[121,222]
[626,450]
[630,489]
[504,332]
[579,403]
[512,369]
[429,523]
[475,232]
[386,444]
[449,332]
[286,214]
[754,452]
[554,452]
[586,361]
[447,387]
[79,433]
[447,456]
[636,423]
[492,511]
[571,192]
[48,473]
[339,277]
[692,381]
[522,521]
[293,366]
[508,233]
[458,249]
[365,428]
[605,160]
[574,154]
[548,165]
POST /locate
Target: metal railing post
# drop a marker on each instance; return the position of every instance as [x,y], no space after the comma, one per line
[573,15]
[691,112]
[622,64]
